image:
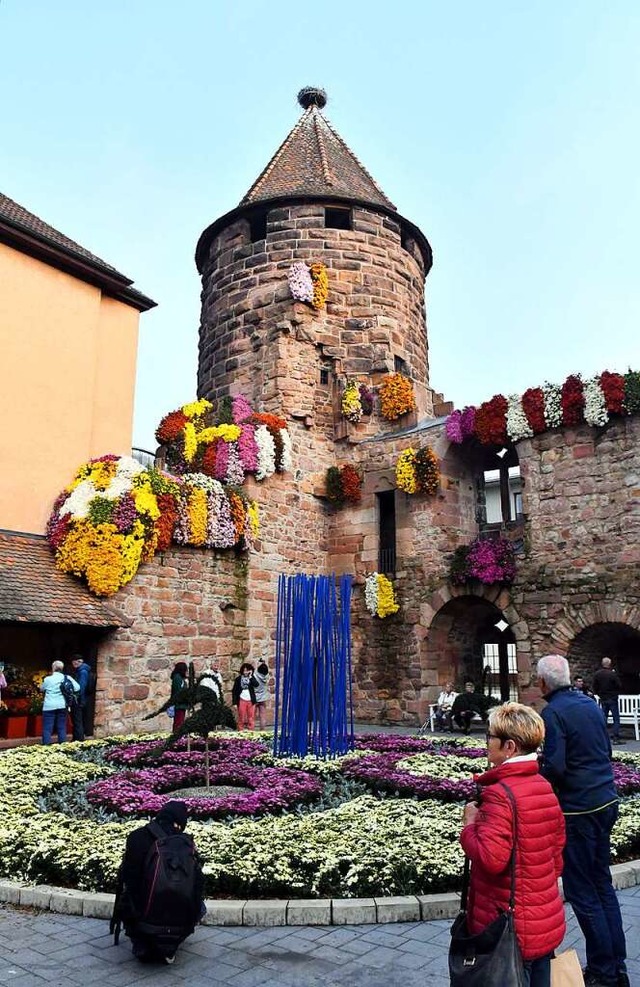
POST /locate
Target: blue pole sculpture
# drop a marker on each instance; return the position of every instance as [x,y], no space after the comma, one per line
[314,709]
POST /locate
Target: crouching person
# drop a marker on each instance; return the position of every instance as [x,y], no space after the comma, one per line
[160,887]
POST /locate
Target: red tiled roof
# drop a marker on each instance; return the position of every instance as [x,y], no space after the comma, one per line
[29,233]
[12,212]
[32,590]
[314,160]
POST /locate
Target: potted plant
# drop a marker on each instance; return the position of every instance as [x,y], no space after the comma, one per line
[34,720]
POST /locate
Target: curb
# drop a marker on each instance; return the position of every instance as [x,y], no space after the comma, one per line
[270,912]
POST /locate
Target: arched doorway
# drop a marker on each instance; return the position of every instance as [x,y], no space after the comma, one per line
[470,639]
[609,639]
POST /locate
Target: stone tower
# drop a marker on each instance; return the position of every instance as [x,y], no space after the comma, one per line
[314,201]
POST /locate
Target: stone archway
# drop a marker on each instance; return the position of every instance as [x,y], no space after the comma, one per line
[462,620]
[607,639]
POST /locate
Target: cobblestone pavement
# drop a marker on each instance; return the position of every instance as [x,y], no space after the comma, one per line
[62,950]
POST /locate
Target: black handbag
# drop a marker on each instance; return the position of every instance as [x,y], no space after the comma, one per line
[491,958]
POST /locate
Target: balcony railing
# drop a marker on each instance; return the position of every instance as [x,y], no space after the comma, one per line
[144,457]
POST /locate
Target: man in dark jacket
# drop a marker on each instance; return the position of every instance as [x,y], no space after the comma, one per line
[607,688]
[172,819]
[82,674]
[576,760]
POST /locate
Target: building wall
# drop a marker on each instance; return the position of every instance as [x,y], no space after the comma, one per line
[68,377]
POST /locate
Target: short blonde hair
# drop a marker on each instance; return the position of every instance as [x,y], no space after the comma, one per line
[514,721]
[57,666]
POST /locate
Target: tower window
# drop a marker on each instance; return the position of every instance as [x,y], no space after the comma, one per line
[324,377]
[336,218]
[400,366]
[258,227]
[386,531]
[406,240]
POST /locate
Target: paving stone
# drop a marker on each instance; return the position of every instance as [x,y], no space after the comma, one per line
[97,905]
[223,912]
[397,909]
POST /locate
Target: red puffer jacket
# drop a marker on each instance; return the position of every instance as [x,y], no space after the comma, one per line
[487,841]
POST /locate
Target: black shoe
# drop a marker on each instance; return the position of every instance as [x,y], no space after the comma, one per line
[591,980]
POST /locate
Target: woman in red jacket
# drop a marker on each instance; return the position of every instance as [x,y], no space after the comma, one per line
[515,733]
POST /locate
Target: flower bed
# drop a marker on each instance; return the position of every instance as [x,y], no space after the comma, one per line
[397,835]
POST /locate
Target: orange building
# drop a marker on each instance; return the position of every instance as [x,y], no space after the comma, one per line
[68,339]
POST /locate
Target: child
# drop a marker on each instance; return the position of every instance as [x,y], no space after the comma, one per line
[243,695]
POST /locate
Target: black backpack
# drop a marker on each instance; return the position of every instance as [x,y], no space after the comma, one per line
[69,693]
[172,885]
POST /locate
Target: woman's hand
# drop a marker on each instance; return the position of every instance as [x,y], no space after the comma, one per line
[469,813]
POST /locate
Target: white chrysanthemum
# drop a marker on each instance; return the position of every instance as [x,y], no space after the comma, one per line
[371,593]
[266,453]
[204,482]
[518,426]
[300,282]
[119,485]
[595,408]
[128,466]
[77,503]
[287,460]
[552,405]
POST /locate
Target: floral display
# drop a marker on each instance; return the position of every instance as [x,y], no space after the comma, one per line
[226,442]
[300,282]
[367,397]
[309,283]
[488,560]
[116,514]
[379,597]
[396,396]
[343,485]
[418,471]
[490,427]
[351,403]
[384,820]
[593,401]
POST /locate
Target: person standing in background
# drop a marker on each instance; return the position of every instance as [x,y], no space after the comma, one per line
[81,672]
[607,688]
[576,759]
[54,706]
[262,693]
[243,696]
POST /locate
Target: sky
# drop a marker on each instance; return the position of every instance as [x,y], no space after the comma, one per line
[506,130]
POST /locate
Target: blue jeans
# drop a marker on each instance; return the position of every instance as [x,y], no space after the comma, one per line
[537,973]
[54,720]
[611,706]
[587,886]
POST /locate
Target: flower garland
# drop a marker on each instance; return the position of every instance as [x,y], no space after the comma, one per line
[418,471]
[487,560]
[396,396]
[225,444]
[309,283]
[343,485]
[593,401]
[115,514]
[379,596]
[367,396]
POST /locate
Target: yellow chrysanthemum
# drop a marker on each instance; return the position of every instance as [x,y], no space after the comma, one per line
[386,599]
[228,433]
[406,479]
[254,517]
[195,409]
[197,510]
[190,442]
[102,474]
[146,502]
[320,285]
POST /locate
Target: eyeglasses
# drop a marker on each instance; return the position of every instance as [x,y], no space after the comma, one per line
[493,736]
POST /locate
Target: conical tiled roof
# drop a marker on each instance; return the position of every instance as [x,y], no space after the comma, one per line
[315,161]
